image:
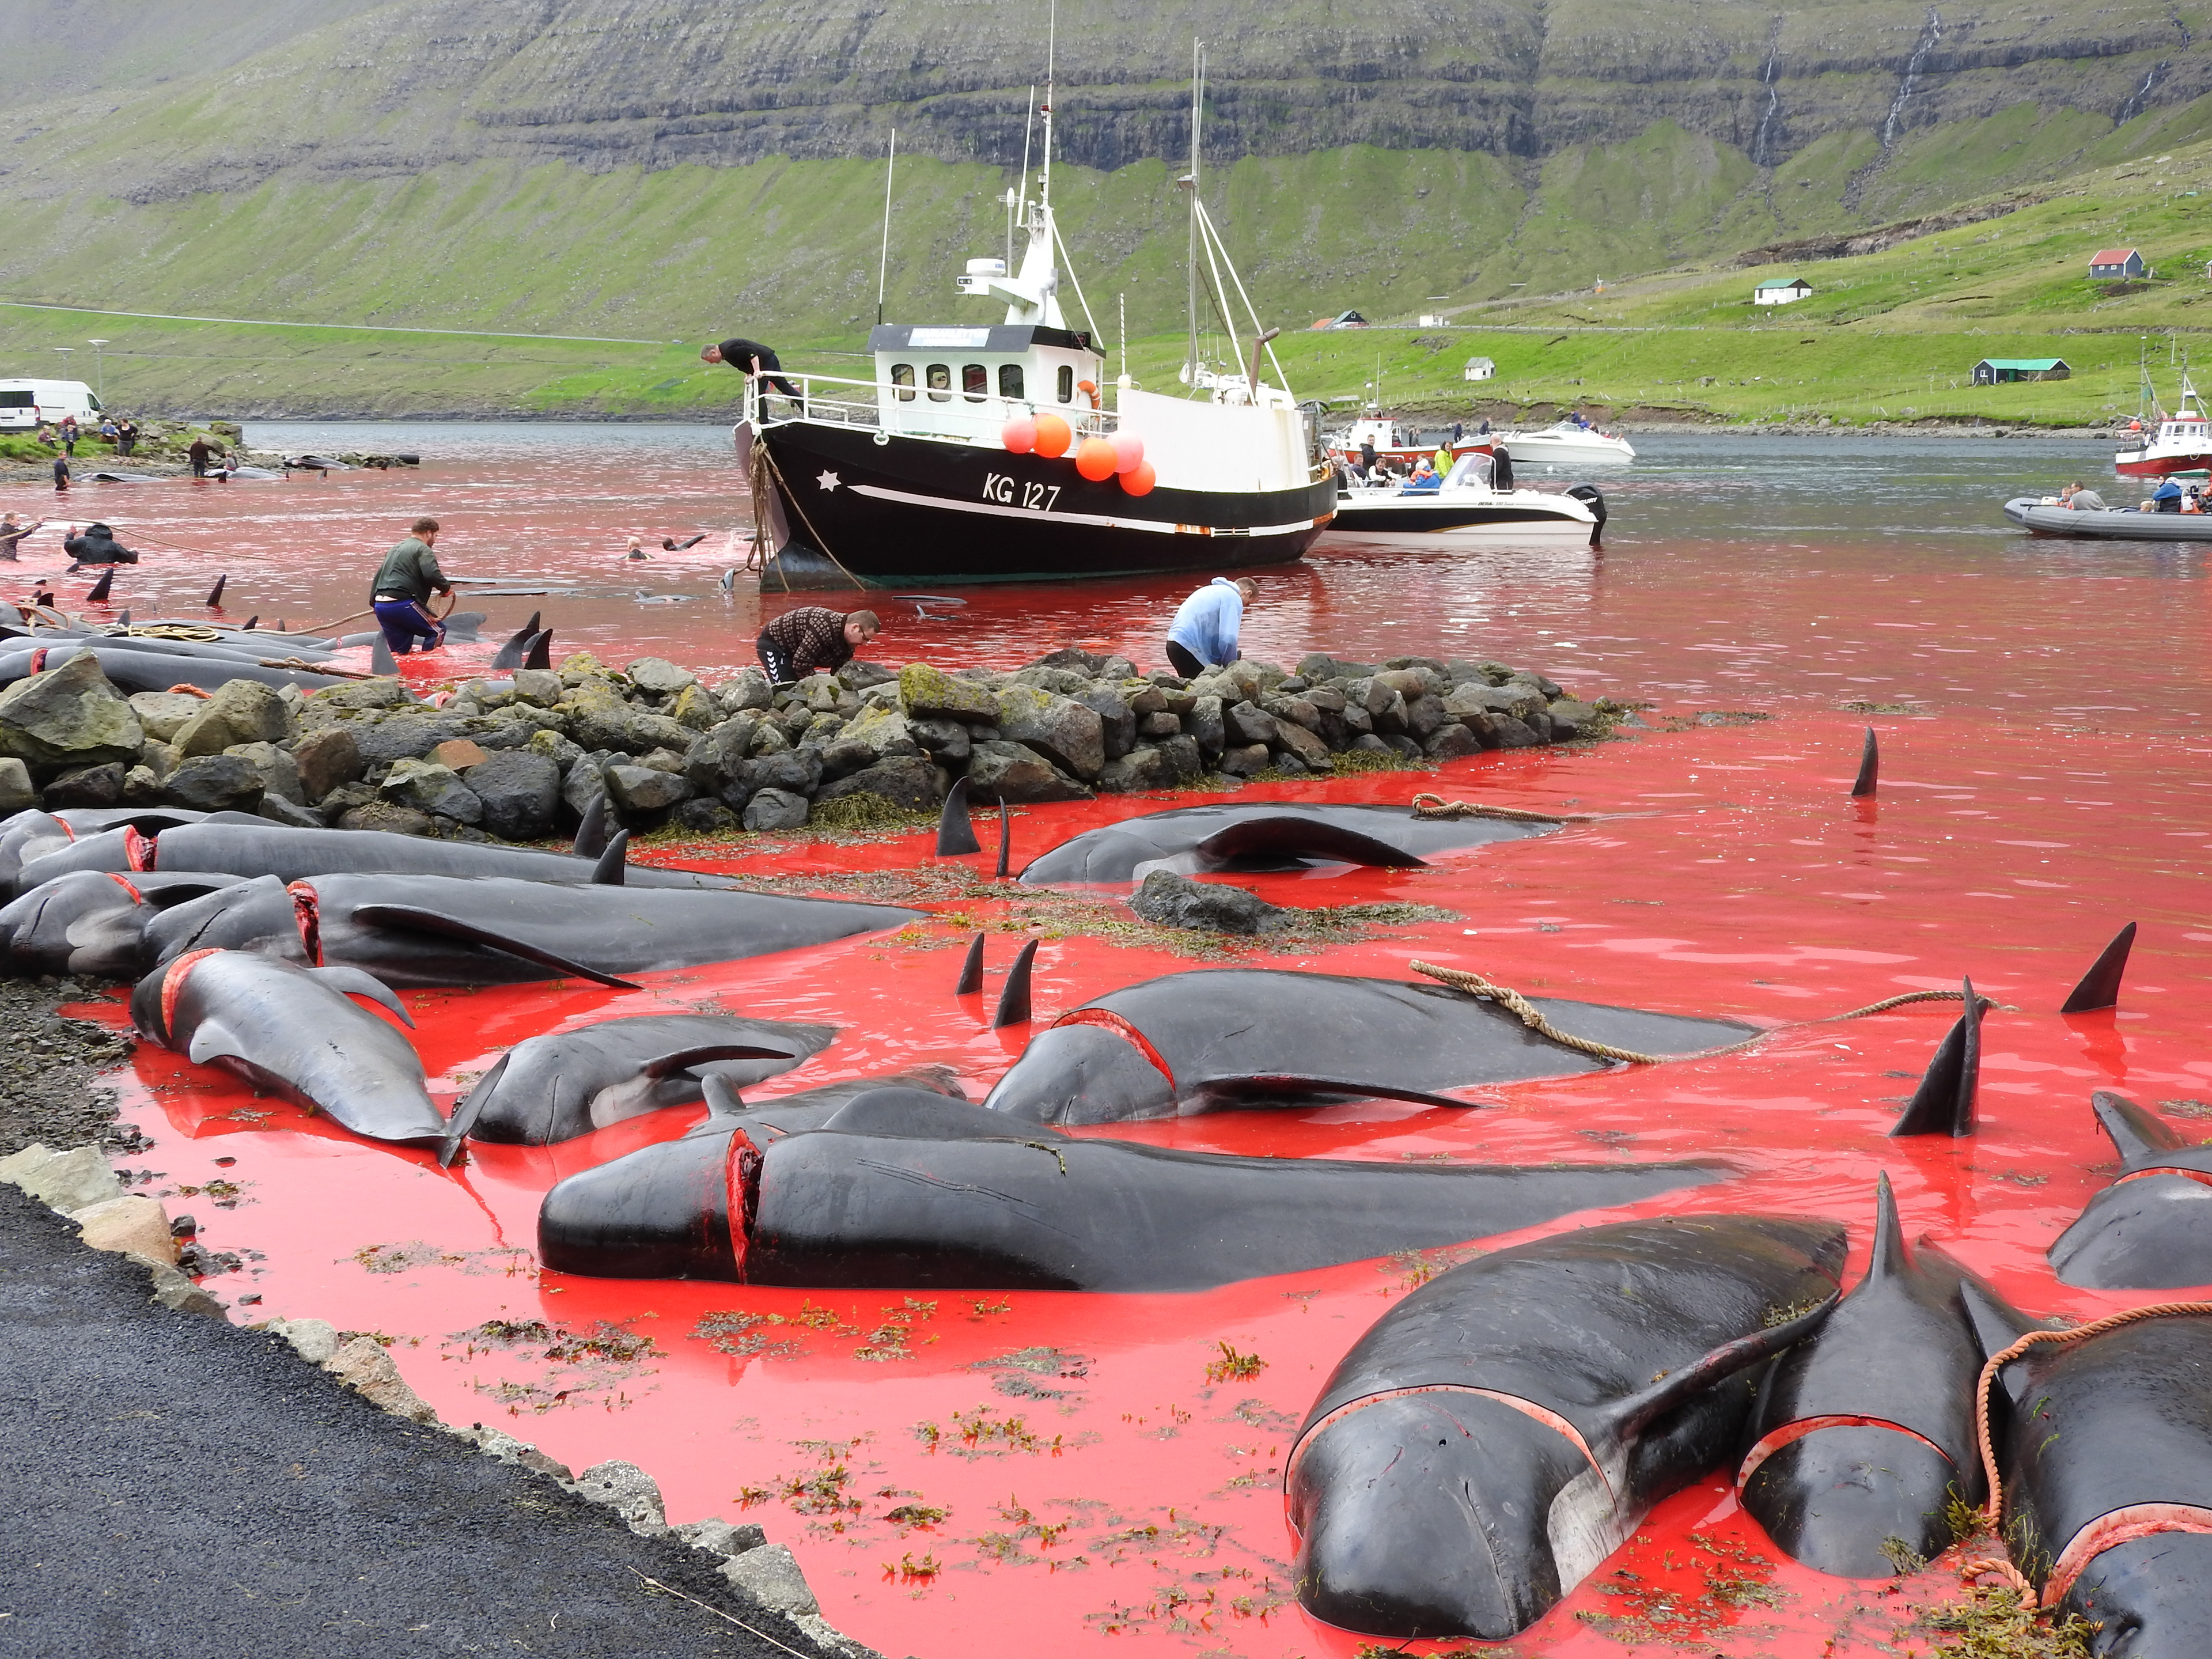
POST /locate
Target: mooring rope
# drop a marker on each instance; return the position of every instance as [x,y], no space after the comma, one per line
[1426,805]
[1475,984]
[760,450]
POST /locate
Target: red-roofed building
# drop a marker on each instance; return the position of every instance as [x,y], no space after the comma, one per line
[2116,262]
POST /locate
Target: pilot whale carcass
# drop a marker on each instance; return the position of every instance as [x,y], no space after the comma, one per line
[2151,1228]
[904,1187]
[1503,1428]
[1221,1037]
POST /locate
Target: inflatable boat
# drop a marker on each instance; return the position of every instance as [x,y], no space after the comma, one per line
[2041,515]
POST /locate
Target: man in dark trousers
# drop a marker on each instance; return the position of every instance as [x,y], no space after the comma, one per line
[751,358]
[811,638]
[401,593]
[200,450]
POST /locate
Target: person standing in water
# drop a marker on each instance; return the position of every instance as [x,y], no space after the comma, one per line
[12,535]
[1204,632]
[400,595]
[810,639]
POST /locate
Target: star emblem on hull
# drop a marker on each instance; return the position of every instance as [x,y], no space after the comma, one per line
[828,481]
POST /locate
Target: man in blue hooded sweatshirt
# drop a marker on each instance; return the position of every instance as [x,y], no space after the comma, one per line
[1204,633]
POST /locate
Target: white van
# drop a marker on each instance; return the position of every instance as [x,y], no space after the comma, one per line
[24,404]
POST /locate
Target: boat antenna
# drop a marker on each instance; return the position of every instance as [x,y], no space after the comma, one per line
[1051,48]
[1016,198]
[1121,332]
[883,265]
[1190,183]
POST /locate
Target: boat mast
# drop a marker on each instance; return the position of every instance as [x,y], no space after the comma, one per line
[883,265]
[1189,182]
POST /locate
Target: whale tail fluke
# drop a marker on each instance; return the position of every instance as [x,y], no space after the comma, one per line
[971,970]
[1014,996]
[2101,985]
[1943,1104]
[2135,1132]
[956,831]
[1870,766]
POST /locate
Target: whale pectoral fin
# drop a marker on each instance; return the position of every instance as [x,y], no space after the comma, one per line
[358,982]
[723,1100]
[1281,1084]
[212,1040]
[470,1108]
[1626,1417]
[408,918]
[682,1060]
[1291,837]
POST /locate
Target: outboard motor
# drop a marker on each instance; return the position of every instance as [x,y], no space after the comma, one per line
[1593,498]
[1501,469]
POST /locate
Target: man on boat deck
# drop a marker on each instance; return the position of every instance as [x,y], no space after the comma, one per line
[400,595]
[1204,632]
[2080,498]
[812,638]
[749,358]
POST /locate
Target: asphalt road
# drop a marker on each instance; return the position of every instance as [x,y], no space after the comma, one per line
[173,1485]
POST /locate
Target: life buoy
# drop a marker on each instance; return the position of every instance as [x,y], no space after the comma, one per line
[1090,389]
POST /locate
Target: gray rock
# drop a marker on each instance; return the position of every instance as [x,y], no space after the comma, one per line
[1450,742]
[142,786]
[716,758]
[1319,666]
[616,725]
[1513,733]
[326,758]
[873,735]
[640,791]
[1248,723]
[749,690]
[315,1340]
[770,1575]
[720,1537]
[88,786]
[280,772]
[1160,725]
[404,737]
[950,741]
[1183,757]
[253,711]
[290,814]
[74,1180]
[1517,701]
[1243,762]
[555,748]
[704,817]
[1062,730]
[68,717]
[1144,768]
[1577,716]
[16,793]
[163,714]
[214,783]
[1167,900]
[387,816]
[386,692]
[1117,725]
[1425,714]
[541,687]
[912,781]
[430,788]
[174,1289]
[775,809]
[663,760]
[796,771]
[1046,678]
[629,1490]
[1204,722]
[585,783]
[521,791]
[660,675]
[859,676]
[1309,748]
[1413,680]
[1012,772]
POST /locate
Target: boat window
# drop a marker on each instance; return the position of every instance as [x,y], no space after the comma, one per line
[1067,383]
[975,382]
[1010,380]
[902,378]
[940,384]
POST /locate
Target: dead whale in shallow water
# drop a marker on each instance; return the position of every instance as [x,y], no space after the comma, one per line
[903,1188]
[1504,1428]
[291,1031]
[92,921]
[1864,1434]
[2151,1228]
[1264,836]
[2104,1452]
[552,1088]
[458,931]
[1218,1038]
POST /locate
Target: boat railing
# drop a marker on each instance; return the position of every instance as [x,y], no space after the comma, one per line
[949,414]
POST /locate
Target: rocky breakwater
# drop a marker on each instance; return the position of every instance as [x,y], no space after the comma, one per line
[522,758]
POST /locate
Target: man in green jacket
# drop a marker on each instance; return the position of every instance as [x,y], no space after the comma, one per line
[401,593]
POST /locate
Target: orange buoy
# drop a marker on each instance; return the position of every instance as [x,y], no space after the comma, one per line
[1019,436]
[1128,452]
[1140,479]
[1095,460]
[1053,435]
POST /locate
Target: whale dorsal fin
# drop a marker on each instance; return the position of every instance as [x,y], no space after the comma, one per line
[924,1114]
[591,833]
[2100,986]
[608,872]
[1625,1417]
[1890,1260]
[410,918]
[2135,1132]
[1996,1326]
[358,982]
[723,1099]
[1943,1104]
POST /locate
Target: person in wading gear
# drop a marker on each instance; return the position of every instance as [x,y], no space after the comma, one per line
[400,595]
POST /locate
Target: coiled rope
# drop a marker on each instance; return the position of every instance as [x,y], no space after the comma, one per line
[1462,979]
[2001,1565]
[1426,805]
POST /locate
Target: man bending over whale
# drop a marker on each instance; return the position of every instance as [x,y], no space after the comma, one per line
[812,638]
[400,595]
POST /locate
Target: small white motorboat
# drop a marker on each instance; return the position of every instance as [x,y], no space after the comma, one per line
[1464,508]
[1567,440]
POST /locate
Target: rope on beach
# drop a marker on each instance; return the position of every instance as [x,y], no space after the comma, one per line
[1435,807]
[1462,979]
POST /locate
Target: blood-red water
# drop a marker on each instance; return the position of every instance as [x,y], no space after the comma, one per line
[996,1474]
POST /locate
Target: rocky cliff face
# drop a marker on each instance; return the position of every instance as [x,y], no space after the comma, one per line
[349,86]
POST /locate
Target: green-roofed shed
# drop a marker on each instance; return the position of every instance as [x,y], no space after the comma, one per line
[1991,370]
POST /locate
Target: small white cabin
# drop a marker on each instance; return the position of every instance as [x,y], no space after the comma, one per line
[1481,368]
[1781,293]
[966,383]
[24,404]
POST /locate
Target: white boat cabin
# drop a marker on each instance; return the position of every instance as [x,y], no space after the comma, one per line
[966,383]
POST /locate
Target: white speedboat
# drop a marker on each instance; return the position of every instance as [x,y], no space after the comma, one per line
[1464,508]
[1567,442]
[2168,443]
